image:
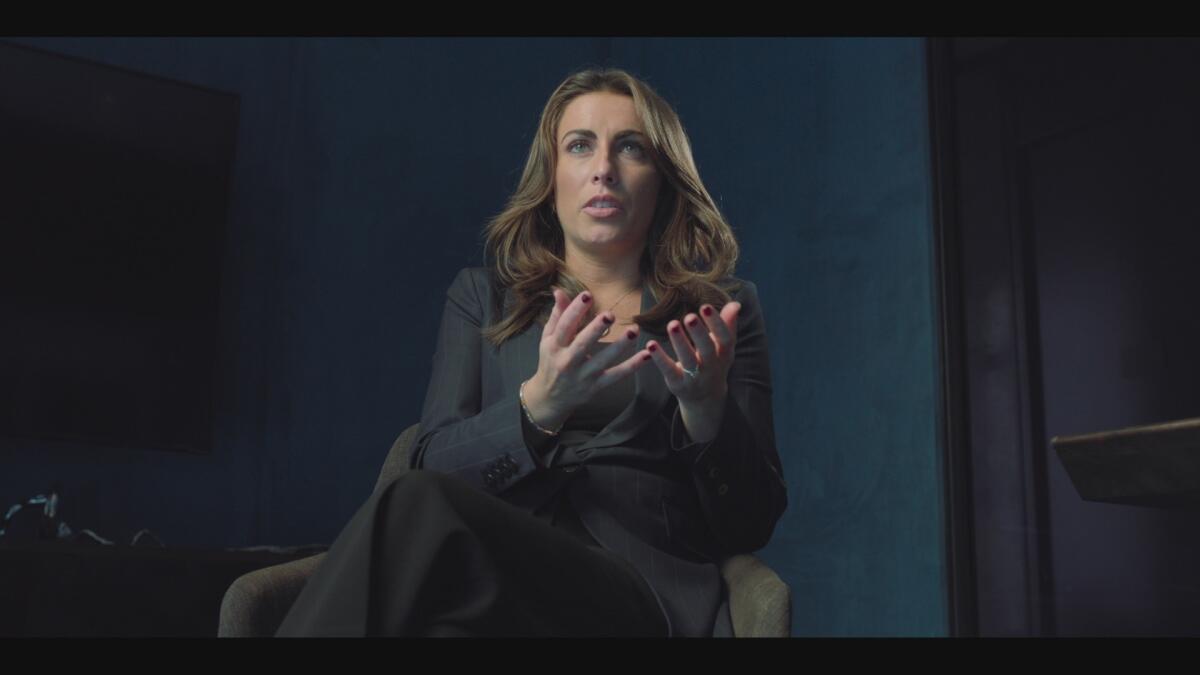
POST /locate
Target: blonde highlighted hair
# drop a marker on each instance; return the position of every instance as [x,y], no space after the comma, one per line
[690,251]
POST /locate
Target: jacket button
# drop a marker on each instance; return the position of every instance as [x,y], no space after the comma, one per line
[722,490]
[712,473]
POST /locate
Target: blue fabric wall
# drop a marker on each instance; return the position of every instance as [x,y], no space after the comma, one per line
[365,171]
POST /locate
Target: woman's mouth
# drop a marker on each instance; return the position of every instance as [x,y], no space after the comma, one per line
[601,211]
[603,205]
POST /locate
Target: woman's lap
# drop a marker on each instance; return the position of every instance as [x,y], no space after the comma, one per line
[430,554]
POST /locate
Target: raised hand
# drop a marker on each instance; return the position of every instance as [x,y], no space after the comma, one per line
[566,376]
[704,346]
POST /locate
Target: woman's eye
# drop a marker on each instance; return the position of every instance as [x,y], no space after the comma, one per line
[633,147]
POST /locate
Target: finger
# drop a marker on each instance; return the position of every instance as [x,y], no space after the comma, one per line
[624,368]
[697,331]
[730,313]
[588,337]
[568,323]
[561,301]
[722,333]
[684,352]
[669,368]
[619,349]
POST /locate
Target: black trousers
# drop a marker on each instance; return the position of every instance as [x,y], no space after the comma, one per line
[430,555]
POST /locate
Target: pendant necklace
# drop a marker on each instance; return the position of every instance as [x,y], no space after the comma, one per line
[607,328]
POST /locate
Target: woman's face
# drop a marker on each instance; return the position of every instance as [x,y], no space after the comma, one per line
[603,152]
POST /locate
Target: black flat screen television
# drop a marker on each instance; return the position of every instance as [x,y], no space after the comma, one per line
[114,202]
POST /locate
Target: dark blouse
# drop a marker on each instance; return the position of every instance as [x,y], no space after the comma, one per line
[584,423]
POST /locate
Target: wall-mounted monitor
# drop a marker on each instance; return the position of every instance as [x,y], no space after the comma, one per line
[114,203]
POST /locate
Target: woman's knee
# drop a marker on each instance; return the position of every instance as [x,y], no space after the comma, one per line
[421,483]
[424,492]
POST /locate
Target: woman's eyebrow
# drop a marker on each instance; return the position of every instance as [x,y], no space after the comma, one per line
[588,133]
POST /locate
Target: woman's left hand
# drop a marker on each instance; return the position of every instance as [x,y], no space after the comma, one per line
[705,345]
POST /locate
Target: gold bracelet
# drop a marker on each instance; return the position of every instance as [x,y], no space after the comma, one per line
[530,417]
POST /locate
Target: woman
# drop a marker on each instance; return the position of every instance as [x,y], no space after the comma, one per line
[575,476]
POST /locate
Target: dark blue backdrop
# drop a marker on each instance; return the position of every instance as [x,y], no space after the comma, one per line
[365,171]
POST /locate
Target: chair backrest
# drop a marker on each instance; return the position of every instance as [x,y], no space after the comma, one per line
[396,463]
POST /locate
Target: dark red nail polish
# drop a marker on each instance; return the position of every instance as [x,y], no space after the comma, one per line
[675,328]
[587,298]
[707,311]
[693,321]
[646,357]
[606,319]
[630,334]
[652,347]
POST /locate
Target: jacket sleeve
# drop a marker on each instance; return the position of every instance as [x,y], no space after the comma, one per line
[738,474]
[491,448]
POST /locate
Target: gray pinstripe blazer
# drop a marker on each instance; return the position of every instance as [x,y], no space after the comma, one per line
[672,507]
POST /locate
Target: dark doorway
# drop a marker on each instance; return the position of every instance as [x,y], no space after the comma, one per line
[1069,232]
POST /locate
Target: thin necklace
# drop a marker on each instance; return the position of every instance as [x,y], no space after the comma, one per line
[613,306]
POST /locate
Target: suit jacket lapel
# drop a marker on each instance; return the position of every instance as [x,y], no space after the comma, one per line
[650,393]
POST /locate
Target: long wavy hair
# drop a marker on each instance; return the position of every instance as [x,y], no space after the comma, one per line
[690,251]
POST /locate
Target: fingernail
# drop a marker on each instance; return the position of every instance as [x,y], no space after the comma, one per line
[606,319]
[630,334]
[692,321]
[707,311]
[652,346]
[646,357]
[586,298]
[675,328]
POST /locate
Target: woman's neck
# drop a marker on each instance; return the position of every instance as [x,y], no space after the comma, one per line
[607,281]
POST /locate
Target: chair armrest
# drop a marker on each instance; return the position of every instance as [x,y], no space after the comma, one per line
[760,604]
[257,602]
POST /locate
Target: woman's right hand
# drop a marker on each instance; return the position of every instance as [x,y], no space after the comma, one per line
[566,377]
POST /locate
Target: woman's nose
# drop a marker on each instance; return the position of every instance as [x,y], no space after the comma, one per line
[605,171]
